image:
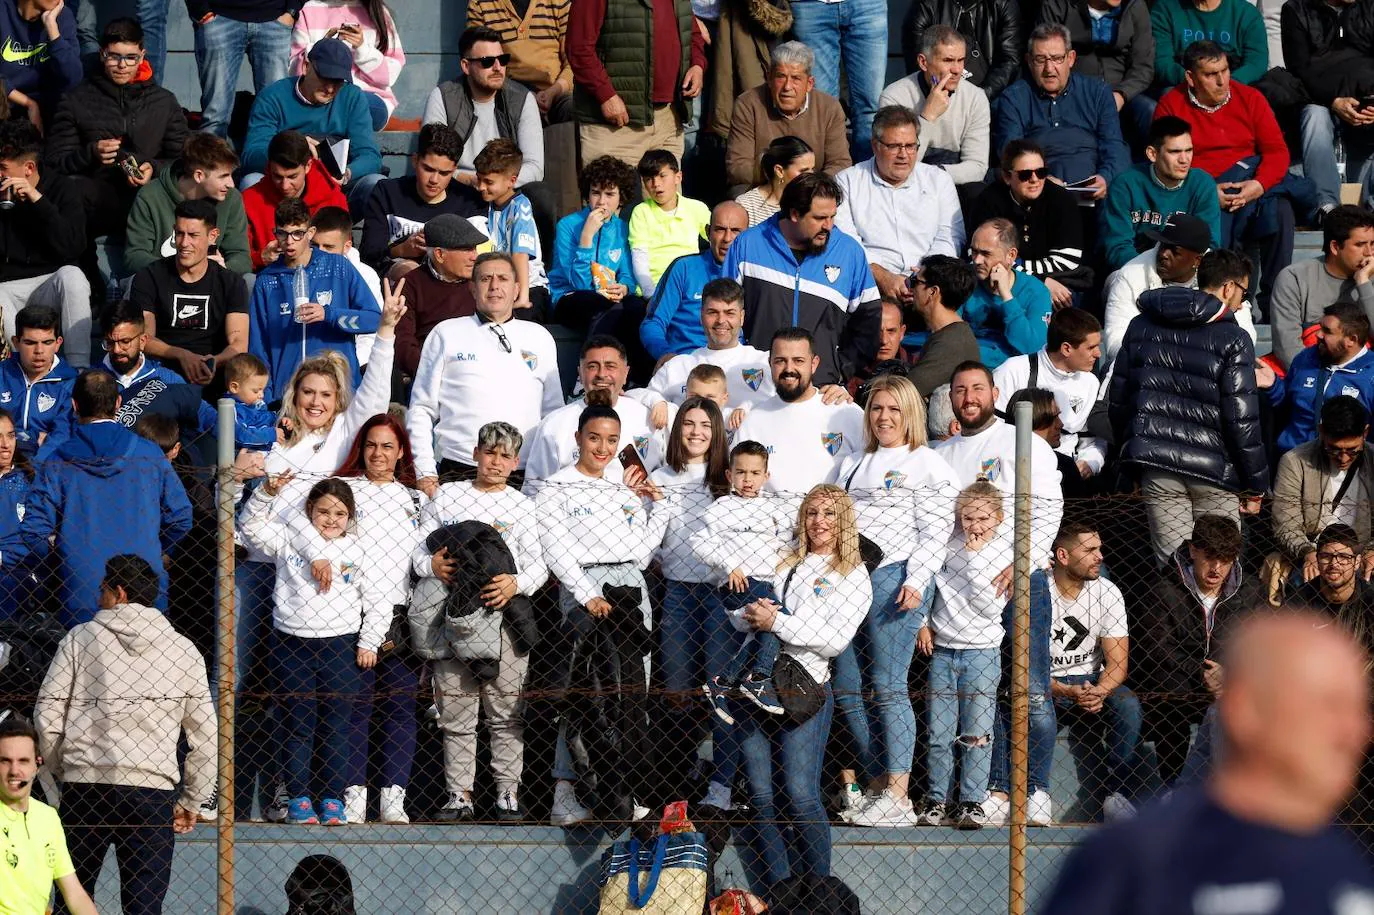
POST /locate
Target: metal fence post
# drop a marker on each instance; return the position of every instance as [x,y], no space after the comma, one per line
[226,630]
[1020,662]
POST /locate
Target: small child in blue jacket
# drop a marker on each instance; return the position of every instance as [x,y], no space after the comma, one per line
[255,426]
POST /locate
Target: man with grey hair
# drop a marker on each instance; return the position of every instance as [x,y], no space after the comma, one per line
[899,209]
[787,104]
[1009,310]
[941,423]
[955,120]
[1072,117]
[475,370]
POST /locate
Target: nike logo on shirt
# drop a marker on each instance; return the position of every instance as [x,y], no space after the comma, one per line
[13,54]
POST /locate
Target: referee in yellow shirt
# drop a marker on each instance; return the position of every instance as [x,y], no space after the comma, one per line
[33,850]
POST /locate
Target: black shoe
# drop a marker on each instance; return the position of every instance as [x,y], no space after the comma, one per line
[457,810]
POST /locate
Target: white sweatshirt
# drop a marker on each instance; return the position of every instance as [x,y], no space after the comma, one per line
[387,520]
[991,455]
[592,521]
[805,439]
[904,503]
[746,534]
[1075,392]
[824,610]
[355,603]
[748,379]
[684,503]
[967,611]
[553,444]
[466,379]
[506,510]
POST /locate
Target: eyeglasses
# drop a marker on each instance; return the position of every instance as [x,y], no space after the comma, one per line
[1336,559]
[1334,451]
[1026,174]
[500,335]
[1041,59]
[486,63]
[123,60]
[109,343]
[292,234]
[898,147]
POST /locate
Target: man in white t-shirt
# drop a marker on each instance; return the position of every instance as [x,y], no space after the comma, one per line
[1064,367]
[806,437]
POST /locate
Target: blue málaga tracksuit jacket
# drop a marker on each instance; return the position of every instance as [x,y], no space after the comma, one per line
[274,336]
[42,408]
[1310,384]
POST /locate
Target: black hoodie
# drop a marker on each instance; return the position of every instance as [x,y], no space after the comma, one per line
[38,238]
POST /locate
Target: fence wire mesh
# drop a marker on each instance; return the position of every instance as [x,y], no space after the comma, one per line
[446,680]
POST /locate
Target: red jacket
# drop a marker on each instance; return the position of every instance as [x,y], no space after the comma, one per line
[260,204]
[1243,127]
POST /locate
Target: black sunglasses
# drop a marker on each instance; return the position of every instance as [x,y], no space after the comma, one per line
[486,63]
[1024,174]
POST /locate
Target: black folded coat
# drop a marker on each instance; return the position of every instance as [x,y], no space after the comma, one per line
[482,554]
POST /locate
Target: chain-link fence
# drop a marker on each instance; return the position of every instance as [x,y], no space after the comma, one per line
[448,679]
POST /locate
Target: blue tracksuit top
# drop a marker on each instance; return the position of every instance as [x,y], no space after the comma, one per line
[255,426]
[673,323]
[14,582]
[41,408]
[1012,328]
[572,263]
[275,337]
[279,107]
[102,492]
[1310,384]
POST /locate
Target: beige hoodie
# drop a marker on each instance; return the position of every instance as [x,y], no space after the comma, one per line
[116,699]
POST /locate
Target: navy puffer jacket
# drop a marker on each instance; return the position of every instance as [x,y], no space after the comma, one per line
[1182,393]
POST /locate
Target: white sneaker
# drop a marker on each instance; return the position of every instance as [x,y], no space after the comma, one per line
[883,809]
[1116,807]
[393,805]
[1039,809]
[997,810]
[208,812]
[355,804]
[508,809]
[717,795]
[566,810]
[848,800]
[640,811]
[275,811]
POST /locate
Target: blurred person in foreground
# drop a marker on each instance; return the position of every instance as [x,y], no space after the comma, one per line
[1256,836]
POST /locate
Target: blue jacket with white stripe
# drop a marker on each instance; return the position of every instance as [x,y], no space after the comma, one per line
[831,293]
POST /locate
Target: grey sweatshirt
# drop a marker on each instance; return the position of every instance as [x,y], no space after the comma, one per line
[1301,291]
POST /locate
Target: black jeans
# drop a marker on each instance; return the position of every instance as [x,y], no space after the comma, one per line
[138,822]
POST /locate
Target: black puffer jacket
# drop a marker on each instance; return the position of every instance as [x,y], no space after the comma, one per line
[146,115]
[1128,64]
[992,29]
[1183,392]
[1331,51]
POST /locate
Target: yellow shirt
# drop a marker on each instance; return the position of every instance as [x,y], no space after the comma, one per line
[668,236]
[33,854]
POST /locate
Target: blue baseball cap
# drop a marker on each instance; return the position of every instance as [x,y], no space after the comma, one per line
[332,59]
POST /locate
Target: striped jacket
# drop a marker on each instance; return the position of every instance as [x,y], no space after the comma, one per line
[535,43]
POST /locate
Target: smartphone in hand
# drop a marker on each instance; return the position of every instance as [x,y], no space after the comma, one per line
[629,457]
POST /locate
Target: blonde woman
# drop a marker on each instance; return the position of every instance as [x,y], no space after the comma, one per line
[903,496]
[826,591]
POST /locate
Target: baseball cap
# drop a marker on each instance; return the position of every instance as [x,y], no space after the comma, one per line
[1183,231]
[332,59]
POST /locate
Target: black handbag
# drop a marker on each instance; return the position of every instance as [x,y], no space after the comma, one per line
[801,696]
[397,639]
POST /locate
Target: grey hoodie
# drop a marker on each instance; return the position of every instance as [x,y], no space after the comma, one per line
[116,699]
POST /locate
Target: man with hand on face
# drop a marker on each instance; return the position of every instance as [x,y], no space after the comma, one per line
[1009,309]
[955,121]
[292,171]
[1341,274]
[1339,363]
[476,369]
[797,269]
[806,437]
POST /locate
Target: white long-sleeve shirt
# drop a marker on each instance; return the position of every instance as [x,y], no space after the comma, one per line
[553,444]
[685,500]
[508,512]
[805,439]
[824,610]
[968,611]
[748,380]
[388,521]
[991,455]
[899,225]
[466,378]
[355,602]
[904,503]
[745,534]
[593,521]
[1074,392]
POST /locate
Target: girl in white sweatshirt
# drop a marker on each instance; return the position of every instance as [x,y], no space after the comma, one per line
[964,639]
[322,638]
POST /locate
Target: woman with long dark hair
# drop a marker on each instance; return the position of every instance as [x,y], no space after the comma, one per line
[784,159]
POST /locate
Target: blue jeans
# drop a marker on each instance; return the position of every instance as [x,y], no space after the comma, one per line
[359,190]
[320,682]
[377,108]
[152,15]
[221,45]
[137,822]
[854,31]
[1106,745]
[783,762]
[756,655]
[1043,728]
[1319,129]
[962,713]
[255,754]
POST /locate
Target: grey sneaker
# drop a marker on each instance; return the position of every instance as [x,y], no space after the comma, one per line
[933,813]
[971,816]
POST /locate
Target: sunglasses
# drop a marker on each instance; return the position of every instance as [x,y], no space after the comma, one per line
[486,63]
[1025,174]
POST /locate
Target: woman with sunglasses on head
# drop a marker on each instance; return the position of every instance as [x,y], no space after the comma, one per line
[1046,216]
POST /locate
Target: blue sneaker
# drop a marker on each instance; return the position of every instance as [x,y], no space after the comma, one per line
[761,693]
[332,812]
[301,812]
[715,692]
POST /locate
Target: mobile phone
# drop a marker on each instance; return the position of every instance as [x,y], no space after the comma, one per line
[629,457]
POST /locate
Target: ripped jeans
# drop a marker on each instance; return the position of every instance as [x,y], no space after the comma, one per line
[962,708]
